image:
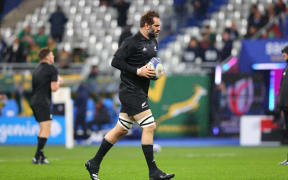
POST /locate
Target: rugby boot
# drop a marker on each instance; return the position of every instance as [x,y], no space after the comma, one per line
[92,169]
[159,175]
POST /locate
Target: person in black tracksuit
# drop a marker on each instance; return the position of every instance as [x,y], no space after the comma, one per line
[44,80]
[131,59]
[283,97]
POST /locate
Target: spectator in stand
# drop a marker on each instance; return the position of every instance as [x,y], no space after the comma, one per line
[51,46]
[180,15]
[3,48]
[211,54]
[270,12]
[79,55]
[58,21]
[26,39]
[15,53]
[228,45]
[126,32]
[122,8]
[252,30]
[64,59]
[41,39]
[81,109]
[234,34]
[253,10]
[274,30]
[26,31]
[94,72]
[258,20]
[280,7]
[105,2]
[192,52]
[200,9]
[32,56]
[101,116]
[207,31]
[205,42]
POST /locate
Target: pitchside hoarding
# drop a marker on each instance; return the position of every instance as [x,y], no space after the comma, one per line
[241,94]
[24,130]
[260,51]
[180,105]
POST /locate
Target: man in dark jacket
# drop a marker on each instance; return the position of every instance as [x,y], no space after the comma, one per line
[101,116]
[283,98]
[125,34]
[58,21]
[122,8]
[81,106]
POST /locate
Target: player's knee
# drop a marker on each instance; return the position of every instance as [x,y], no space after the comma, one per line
[152,127]
[119,131]
[123,132]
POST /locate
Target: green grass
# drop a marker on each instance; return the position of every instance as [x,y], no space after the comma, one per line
[127,163]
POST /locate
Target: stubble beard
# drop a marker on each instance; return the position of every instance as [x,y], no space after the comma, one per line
[151,33]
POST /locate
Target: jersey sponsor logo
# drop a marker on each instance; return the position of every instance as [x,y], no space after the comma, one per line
[144,49]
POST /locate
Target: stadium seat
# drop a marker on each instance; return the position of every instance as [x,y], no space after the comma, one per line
[10,109]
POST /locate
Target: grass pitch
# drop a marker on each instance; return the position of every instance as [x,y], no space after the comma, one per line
[128,163]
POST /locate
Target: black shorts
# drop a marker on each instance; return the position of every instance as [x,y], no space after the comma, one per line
[42,113]
[133,104]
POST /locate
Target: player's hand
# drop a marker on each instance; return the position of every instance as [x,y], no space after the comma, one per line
[146,72]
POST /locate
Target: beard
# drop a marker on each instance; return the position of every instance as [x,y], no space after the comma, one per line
[151,33]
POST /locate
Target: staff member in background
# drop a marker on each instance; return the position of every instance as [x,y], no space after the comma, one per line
[283,98]
[44,80]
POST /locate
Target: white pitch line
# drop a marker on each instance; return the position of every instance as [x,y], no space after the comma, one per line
[26,159]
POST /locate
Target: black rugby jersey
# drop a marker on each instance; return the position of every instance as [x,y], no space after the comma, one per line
[282,96]
[135,52]
[42,77]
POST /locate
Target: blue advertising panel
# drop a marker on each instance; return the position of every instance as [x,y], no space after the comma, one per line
[240,94]
[260,51]
[24,130]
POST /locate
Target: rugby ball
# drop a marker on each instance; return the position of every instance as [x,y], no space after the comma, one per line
[156,148]
[155,64]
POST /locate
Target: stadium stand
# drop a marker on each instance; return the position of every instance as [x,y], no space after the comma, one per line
[93,26]
[234,12]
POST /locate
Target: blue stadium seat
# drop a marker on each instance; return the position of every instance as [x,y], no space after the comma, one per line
[10,109]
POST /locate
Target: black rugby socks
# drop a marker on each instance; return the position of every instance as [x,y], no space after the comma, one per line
[41,143]
[103,149]
[149,156]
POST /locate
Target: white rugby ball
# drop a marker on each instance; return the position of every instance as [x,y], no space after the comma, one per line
[156,148]
[155,64]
